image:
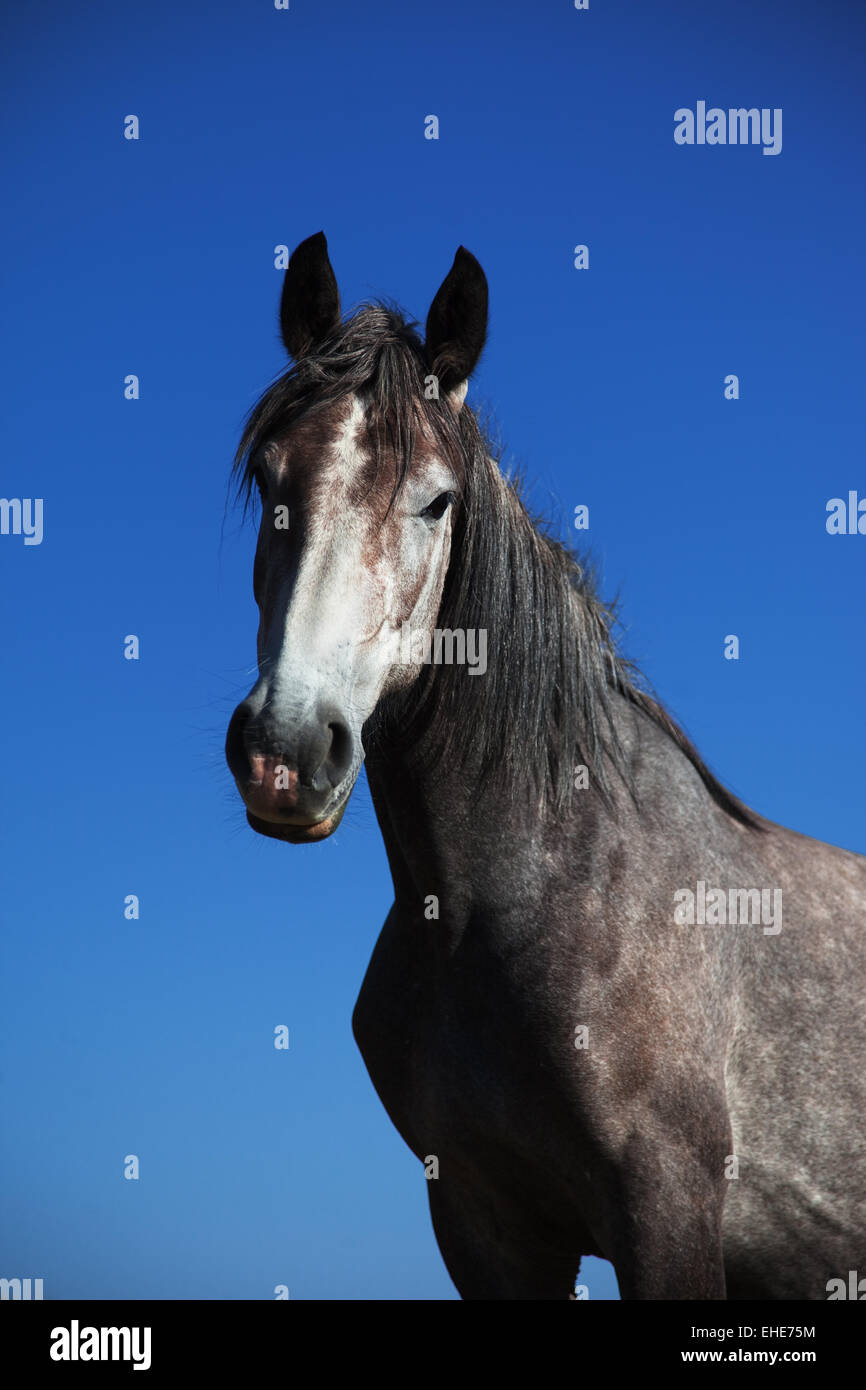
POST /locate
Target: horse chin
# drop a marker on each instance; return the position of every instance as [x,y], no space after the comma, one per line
[299,834]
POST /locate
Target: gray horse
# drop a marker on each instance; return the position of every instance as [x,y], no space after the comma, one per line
[612,1010]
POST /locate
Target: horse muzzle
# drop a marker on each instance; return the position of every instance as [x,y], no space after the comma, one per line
[293,780]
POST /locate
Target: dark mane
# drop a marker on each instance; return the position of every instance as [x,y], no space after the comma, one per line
[546,702]
[377,354]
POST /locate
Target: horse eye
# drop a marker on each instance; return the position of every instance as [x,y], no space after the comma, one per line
[439,506]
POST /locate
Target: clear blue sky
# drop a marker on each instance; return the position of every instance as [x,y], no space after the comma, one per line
[155,257]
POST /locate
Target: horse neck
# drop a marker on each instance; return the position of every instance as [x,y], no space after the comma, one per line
[436,821]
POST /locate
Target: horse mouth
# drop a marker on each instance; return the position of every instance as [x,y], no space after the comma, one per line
[299,834]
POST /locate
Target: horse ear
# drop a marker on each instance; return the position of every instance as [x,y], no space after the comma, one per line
[457,326]
[310,305]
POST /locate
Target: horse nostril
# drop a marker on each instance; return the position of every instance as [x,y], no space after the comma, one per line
[236,748]
[340,755]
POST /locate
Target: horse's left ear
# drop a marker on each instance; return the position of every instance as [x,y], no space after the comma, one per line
[310,306]
[457,326]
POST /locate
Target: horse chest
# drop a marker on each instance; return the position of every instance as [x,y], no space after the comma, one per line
[446,1049]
